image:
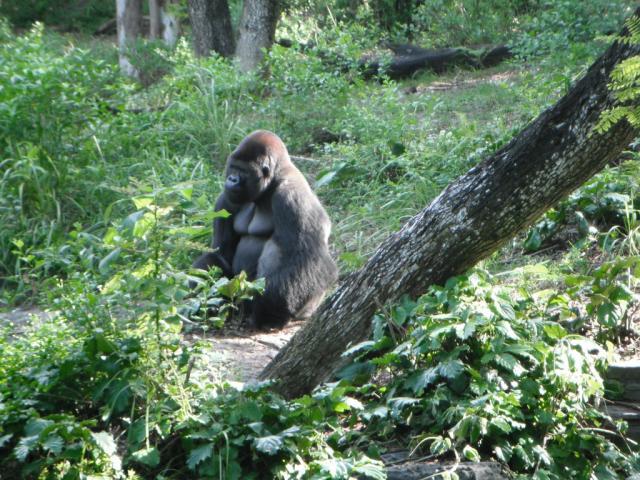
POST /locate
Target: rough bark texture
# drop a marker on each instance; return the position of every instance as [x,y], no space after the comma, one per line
[155,15]
[464,470]
[128,20]
[211,26]
[162,23]
[170,23]
[400,466]
[256,31]
[469,220]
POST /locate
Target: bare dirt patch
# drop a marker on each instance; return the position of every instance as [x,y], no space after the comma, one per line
[17,319]
[242,354]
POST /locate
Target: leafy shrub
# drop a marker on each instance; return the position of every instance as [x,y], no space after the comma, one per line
[555,25]
[606,203]
[47,98]
[67,14]
[484,371]
[108,387]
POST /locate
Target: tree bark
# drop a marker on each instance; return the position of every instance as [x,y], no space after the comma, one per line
[170,24]
[256,32]
[163,24]
[155,22]
[468,221]
[211,27]
[128,20]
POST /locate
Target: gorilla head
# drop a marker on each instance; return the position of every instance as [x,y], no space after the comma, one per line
[278,230]
[251,168]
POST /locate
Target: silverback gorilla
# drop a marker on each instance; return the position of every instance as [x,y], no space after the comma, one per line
[277,230]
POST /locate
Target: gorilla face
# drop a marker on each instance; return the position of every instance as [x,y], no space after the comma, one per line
[249,172]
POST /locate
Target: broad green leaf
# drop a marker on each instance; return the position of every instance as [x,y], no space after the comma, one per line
[36,425]
[440,445]
[5,438]
[53,443]
[470,453]
[371,469]
[24,447]
[501,424]
[198,455]
[106,262]
[104,441]
[142,202]
[270,444]
[451,369]
[147,456]
[420,380]
[334,468]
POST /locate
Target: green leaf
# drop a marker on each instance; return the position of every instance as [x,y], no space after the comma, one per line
[440,445]
[325,179]
[250,410]
[142,202]
[36,425]
[555,331]
[503,452]
[501,424]
[470,453]
[54,444]
[420,380]
[398,404]
[371,469]
[503,309]
[105,263]
[270,444]
[24,447]
[4,439]
[199,455]
[333,468]
[147,456]
[451,369]
[104,441]
[534,240]
[186,192]
[358,348]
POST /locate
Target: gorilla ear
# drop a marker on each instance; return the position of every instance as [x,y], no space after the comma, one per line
[265,170]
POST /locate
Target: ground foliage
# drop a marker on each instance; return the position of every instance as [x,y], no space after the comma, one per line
[105,194]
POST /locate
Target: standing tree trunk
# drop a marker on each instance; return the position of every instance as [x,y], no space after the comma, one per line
[128,19]
[211,26]
[155,16]
[170,23]
[256,32]
[468,221]
[163,24]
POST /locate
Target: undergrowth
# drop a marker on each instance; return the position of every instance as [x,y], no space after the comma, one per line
[106,189]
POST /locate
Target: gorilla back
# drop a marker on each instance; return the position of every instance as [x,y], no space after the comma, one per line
[277,230]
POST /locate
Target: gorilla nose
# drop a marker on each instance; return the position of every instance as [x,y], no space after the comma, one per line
[232,181]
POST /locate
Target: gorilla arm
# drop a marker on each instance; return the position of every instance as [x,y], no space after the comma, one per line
[224,242]
[295,261]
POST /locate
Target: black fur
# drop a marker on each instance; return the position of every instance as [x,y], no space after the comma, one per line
[277,230]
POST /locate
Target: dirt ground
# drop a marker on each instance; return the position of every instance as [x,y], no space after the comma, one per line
[241,354]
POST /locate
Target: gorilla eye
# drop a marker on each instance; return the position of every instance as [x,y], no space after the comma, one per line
[265,170]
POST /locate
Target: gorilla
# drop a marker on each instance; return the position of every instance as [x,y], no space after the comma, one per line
[277,230]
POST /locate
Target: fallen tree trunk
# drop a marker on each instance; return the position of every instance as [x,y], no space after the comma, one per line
[409,60]
[468,221]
